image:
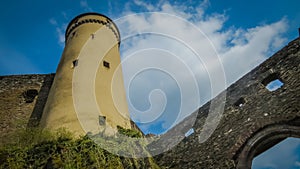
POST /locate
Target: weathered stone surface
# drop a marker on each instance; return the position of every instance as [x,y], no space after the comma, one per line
[18,99]
[263,118]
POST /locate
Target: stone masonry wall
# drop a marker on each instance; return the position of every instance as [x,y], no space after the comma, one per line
[18,97]
[254,118]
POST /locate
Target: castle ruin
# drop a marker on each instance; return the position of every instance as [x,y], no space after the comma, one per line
[254,118]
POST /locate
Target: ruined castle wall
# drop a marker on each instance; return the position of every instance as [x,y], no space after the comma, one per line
[18,96]
[254,118]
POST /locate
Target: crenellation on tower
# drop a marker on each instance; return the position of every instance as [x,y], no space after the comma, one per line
[91,18]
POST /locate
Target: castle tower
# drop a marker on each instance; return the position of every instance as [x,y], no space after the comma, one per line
[87,38]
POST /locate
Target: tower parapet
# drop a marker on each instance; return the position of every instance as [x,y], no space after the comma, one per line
[91,18]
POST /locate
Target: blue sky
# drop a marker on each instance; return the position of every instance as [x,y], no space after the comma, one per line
[243,33]
[29,40]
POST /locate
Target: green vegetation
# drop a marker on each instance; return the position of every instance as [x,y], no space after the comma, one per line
[34,148]
[129,132]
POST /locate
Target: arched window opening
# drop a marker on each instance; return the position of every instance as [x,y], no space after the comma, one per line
[255,147]
[285,154]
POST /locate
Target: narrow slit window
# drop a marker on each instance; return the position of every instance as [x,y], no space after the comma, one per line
[106,64]
[75,63]
[102,120]
[93,36]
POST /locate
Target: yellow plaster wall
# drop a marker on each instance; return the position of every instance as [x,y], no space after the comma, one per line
[59,110]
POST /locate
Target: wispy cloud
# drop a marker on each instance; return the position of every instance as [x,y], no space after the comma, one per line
[140,3]
[53,21]
[84,4]
[60,31]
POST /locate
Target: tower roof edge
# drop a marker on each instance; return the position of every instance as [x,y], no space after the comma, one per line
[110,23]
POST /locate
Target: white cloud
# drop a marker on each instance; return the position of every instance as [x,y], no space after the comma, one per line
[61,36]
[149,7]
[251,47]
[239,49]
[60,30]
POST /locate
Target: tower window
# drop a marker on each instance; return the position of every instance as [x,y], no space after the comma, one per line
[75,63]
[102,120]
[106,64]
[93,36]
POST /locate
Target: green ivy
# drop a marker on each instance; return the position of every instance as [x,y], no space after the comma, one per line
[35,148]
[129,132]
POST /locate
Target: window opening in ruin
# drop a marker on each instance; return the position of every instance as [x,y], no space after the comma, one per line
[102,120]
[274,85]
[189,132]
[29,95]
[272,82]
[106,64]
[75,63]
[240,102]
[285,154]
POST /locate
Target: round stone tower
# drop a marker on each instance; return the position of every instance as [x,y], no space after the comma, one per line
[88,74]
